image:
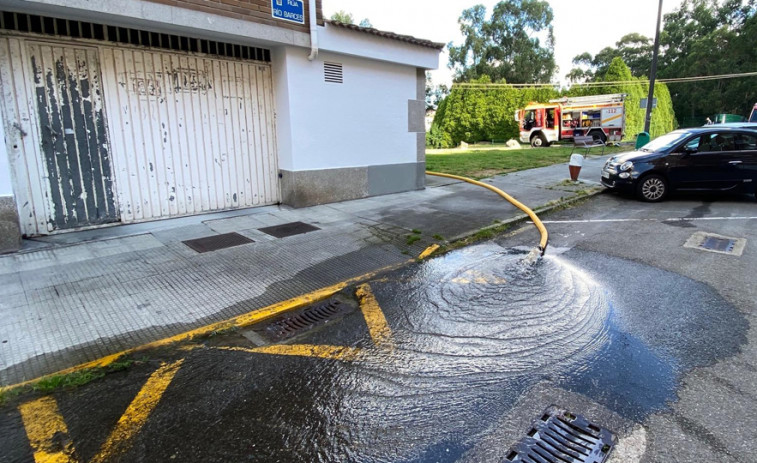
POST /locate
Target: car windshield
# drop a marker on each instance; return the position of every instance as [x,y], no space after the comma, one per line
[665,142]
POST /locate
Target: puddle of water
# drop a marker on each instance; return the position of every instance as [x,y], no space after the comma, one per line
[472,330]
[475,329]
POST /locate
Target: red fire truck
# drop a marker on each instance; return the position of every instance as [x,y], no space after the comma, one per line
[602,117]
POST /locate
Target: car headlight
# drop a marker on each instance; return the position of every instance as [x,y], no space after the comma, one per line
[624,175]
[626,166]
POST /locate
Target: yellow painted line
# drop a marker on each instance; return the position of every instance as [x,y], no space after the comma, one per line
[612,118]
[47,432]
[429,250]
[537,222]
[374,317]
[137,412]
[239,321]
[342,353]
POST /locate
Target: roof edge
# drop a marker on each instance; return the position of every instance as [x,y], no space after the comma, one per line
[388,35]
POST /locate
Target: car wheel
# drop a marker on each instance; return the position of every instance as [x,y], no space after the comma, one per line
[652,188]
[539,141]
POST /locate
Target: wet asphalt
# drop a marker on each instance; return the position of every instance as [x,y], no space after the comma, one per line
[618,322]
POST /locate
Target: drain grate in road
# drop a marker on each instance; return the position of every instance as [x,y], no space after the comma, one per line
[289,229]
[562,437]
[216,242]
[716,243]
[294,324]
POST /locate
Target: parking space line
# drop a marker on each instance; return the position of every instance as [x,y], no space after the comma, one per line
[47,432]
[137,412]
[374,317]
[342,353]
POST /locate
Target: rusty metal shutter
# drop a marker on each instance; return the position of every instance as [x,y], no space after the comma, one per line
[74,147]
[56,136]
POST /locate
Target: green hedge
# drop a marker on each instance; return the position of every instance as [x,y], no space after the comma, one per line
[481,114]
[472,114]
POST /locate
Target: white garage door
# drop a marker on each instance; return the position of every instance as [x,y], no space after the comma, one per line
[188,134]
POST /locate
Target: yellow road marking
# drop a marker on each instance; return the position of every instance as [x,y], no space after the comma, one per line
[137,412]
[429,250]
[240,321]
[346,354]
[374,317]
[47,432]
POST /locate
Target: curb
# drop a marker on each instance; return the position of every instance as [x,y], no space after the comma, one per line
[523,217]
[264,313]
[239,321]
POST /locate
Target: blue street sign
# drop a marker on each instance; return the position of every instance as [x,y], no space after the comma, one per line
[289,10]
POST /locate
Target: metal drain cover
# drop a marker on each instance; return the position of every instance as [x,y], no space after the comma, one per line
[289,229]
[216,242]
[295,323]
[562,437]
[716,243]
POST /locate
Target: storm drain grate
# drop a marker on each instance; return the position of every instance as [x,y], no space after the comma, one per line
[295,324]
[716,243]
[562,437]
[216,242]
[289,229]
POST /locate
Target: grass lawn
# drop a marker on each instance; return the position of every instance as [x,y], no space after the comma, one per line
[482,163]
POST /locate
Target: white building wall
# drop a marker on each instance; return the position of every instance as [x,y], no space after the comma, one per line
[362,122]
[362,44]
[281,98]
[6,189]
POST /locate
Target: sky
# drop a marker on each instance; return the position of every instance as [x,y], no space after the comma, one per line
[579,26]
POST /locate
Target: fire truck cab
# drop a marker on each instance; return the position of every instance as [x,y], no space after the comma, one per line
[601,117]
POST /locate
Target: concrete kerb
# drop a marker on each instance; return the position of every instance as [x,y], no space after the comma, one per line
[240,321]
[523,217]
[262,314]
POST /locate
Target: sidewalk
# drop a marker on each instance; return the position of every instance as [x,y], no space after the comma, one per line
[72,298]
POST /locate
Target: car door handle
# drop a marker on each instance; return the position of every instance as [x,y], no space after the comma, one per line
[734,162]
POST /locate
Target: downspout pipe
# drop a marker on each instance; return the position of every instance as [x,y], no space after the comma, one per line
[313,30]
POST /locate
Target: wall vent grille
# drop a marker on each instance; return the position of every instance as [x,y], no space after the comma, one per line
[21,22]
[333,73]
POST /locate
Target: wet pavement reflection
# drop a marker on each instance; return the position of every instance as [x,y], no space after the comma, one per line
[474,329]
[471,332]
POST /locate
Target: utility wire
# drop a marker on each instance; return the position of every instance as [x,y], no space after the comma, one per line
[676,80]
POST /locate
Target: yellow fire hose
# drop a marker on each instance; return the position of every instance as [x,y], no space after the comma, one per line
[513,201]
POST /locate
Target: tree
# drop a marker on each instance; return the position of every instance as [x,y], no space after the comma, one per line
[634,49]
[343,17]
[347,18]
[704,37]
[476,113]
[506,46]
[434,93]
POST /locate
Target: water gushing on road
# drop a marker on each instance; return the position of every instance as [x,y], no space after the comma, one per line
[476,326]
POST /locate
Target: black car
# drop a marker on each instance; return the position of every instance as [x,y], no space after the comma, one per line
[699,159]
